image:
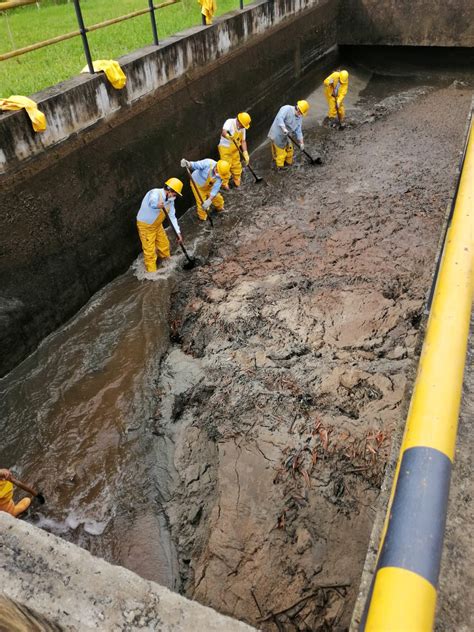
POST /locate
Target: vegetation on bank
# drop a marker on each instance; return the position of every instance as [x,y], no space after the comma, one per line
[47,66]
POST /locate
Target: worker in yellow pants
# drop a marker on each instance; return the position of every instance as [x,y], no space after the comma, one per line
[289,120]
[150,220]
[233,137]
[206,181]
[335,89]
[6,496]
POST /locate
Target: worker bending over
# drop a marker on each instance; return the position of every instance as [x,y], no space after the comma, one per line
[288,121]
[206,181]
[6,496]
[233,138]
[335,89]
[150,220]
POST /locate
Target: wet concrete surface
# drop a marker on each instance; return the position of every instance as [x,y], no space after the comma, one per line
[242,465]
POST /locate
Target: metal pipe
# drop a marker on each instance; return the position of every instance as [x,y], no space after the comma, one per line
[153,22]
[403,595]
[83,32]
[93,27]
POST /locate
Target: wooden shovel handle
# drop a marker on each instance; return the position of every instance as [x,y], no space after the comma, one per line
[23,486]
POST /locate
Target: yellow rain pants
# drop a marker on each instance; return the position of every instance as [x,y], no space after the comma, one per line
[112,69]
[218,200]
[209,7]
[17,102]
[283,156]
[231,154]
[154,240]
[6,500]
[329,94]
[332,112]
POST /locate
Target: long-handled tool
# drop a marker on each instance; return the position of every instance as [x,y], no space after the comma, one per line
[313,161]
[341,124]
[28,489]
[193,186]
[257,178]
[191,261]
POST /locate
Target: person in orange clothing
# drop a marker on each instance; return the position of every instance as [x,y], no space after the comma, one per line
[6,496]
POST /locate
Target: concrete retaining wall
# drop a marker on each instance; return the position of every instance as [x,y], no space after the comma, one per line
[407,22]
[76,591]
[69,196]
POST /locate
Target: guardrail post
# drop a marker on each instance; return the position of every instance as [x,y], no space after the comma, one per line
[153,22]
[83,30]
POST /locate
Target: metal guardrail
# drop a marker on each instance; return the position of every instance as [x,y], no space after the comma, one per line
[83,29]
[404,589]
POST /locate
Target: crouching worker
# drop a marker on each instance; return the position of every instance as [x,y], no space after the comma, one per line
[335,89]
[6,496]
[206,181]
[289,120]
[150,220]
[233,138]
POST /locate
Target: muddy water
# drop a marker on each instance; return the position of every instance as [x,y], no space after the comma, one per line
[159,461]
[72,423]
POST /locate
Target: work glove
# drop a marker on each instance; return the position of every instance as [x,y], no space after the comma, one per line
[302,145]
[230,136]
[185,163]
[207,204]
[246,156]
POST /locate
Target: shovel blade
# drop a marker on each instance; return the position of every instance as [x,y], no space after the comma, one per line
[190,264]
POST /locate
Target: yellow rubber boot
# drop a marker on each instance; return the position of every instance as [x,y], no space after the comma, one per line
[21,507]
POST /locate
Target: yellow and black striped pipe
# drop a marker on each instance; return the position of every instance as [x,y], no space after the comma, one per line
[403,593]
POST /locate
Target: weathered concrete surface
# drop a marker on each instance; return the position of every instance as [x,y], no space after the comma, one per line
[70,588]
[407,22]
[455,609]
[67,215]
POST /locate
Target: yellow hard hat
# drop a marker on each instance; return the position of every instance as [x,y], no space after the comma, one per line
[344,76]
[175,185]
[303,107]
[244,119]
[223,168]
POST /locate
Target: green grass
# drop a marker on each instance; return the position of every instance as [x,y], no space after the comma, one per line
[47,66]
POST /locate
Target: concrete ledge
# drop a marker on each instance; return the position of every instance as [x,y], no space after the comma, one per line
[80,103]
[77,591]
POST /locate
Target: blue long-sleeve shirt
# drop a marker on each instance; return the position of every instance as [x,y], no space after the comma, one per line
[286,117]
[149,210]
[202,169]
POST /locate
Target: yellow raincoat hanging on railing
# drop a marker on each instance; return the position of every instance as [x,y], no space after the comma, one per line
[209,7]
[17,102]
[112,69]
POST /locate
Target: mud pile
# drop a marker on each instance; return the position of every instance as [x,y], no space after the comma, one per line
[293,349]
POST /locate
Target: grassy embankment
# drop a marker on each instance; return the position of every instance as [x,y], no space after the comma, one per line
[47,66]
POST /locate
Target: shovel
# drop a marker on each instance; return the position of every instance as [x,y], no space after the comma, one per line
[341,124]
[191,261]
[193,186]
[313,161]
[28,489]
[258,179]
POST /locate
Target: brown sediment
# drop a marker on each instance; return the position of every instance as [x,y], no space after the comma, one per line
[304,328]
